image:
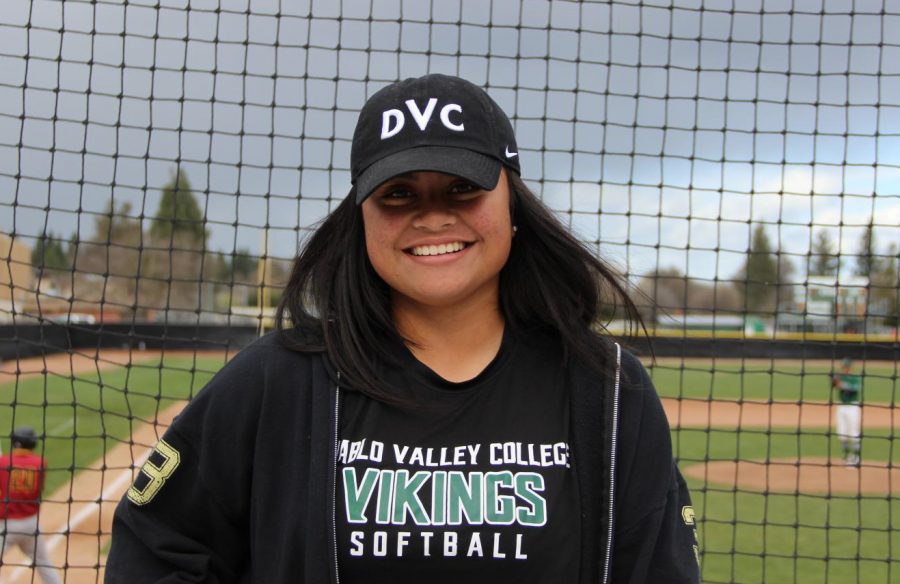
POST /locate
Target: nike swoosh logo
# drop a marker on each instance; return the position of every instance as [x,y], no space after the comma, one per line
[510,154]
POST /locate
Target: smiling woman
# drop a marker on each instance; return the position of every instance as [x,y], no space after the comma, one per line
[437,402]
[439,243]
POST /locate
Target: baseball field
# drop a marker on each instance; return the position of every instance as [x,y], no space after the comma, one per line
[774,501]
[101,413]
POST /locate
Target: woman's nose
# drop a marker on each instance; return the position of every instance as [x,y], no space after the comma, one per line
[434,213]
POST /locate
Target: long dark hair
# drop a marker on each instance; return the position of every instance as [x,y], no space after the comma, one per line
[551,282]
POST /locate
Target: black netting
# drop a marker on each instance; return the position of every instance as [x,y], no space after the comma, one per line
[162,161]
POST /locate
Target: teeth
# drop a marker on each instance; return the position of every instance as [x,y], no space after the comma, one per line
[431,250]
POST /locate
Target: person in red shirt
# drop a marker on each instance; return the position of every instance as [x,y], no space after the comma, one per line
[21,482]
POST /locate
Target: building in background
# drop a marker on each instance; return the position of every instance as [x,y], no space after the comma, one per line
[16,276]
[833,304]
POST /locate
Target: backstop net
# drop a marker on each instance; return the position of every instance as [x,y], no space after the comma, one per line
[162,161]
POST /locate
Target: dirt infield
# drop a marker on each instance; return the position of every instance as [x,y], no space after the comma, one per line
[748,414]
[77,518]
[808,476]
[71,364]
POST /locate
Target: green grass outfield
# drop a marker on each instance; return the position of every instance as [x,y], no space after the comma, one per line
[746,537]
[90,413]
[750,537]
[761,380]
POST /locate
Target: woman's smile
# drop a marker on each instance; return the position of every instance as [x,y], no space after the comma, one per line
[437,249]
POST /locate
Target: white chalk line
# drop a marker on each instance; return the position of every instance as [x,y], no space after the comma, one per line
[60,428]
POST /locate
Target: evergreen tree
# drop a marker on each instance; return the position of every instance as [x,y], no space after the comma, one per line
[48,253]
[758,282]
[867,263]
[178,213]
[785,269]
[823,259]
[175,265]
[244,265]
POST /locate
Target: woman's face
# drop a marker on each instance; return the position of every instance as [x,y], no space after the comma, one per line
[436,239]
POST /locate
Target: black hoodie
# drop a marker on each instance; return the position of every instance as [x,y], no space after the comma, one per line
[241,487]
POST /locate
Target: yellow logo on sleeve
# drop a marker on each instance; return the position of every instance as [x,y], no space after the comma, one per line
[688,515]
[159,466]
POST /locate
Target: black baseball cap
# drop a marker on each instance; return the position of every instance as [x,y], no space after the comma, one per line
[24,437]
[436,122]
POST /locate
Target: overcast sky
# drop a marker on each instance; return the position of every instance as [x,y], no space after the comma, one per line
[656,129]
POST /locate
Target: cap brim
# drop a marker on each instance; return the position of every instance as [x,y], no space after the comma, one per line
[479,169]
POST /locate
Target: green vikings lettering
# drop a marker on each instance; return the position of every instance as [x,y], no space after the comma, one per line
[473,498]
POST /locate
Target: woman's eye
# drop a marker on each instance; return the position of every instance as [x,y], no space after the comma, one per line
[399,194]
[396,196]
[463,188]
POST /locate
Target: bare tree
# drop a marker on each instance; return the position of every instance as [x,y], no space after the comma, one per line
[107,264]
[666,291]
[670,291]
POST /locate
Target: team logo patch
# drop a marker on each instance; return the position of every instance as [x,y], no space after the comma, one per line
[393,120]
[159,466]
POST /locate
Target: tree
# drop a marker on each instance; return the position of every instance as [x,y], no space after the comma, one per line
[666,289]
[867,261]
[242,267]
[823,259]
[671,291]
[116,227]
[112,253]
[758,279]
[785,294]
[175,267]
[48,253]
[179,213]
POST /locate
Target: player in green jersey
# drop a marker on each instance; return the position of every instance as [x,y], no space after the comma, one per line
[848,416]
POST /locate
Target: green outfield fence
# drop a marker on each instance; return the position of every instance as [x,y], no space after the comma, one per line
[161,161]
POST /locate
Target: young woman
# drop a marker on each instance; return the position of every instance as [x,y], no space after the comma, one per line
[441,405]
